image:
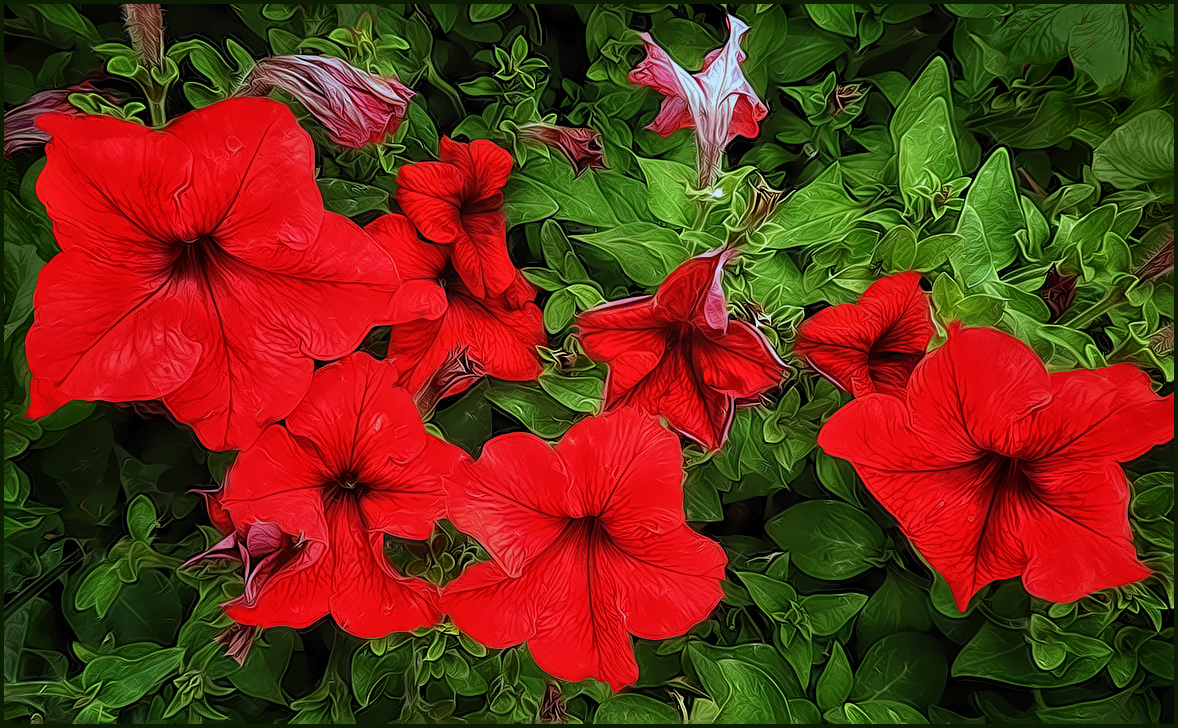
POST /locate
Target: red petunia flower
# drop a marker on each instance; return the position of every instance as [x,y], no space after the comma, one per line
[198,267]
[459,201]
[996,468]
[718,101]
[872,345]
[678,355]
[352,464]
[437,317]
[589,546]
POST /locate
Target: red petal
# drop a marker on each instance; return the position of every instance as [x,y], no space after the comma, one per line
[480,255]
[490,165]
[110,332]
[297,596]
[253,177]
[114,188]
[969,392]
[421,266]
[369,599]
[500,339]
[405,501]
[1077,532]
[1106,414]
[872,345]
[277,481]
[433,200]
[515,501]
[692,292]
[626,469]
[492,607]
[665,584]
[741,362]
[629,335]
[676,392]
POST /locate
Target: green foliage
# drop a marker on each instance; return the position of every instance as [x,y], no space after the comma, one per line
[986,146]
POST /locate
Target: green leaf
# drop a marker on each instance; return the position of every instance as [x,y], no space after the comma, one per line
[829,612]
[933,83]
[635,708]
[141,518]
[809,50]
[774,597]
[837,18]
[837,475]
[669,183]
[559,310]
[905,667]
[820,212]
[647,252]
[900,604]
[746,689]
[828,539]
[67,17]
[265,666]
[558,253]
[834,684]
[481,13]
[581,393]
[1138,152]
[21,267]
[352,198]
[987,223]
[535,408]
[875,712]
[370,672]
[121,682]
[1001,654]
[1039,33]
[1099,46]
[928,153]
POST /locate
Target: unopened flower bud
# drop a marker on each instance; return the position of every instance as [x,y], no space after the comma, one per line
[21,133]
[356,107]
[582,147]
[145,25]
[1057,292]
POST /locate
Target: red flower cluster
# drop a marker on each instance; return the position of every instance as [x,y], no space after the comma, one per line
[677,353]
[994,467]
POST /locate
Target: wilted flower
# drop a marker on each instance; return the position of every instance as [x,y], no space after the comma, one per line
[356,107]
[718,101]
[582,147]
[238,640]
[763,202]
[1057,292]
[21,134]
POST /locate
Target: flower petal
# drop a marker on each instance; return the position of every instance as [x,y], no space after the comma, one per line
[110,332]
[113,188]
[492,607]
[740,362]
[626,469]
[253,177]
[664,585]
[975,387]
[722,78]
[693,292]
[1098,414]
[683,93]
[628,335]
[406,500]
[369,599]
[502,340]
[480,256]
[508,503]
[676,392]
[296,596]
[277,481]
[1077,537]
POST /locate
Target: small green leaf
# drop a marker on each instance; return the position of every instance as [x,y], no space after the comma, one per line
[828,539]
[834,684]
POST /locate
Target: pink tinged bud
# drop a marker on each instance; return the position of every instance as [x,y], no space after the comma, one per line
[21,133]
[582,147]
[356,107]
[145,25]
[238,640]
[718,101]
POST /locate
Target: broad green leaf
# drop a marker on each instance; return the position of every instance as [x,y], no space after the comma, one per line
[635,708]
[906,667]
[928,153]
[900,604]
[581,393]
[819,212]
[647,252]
[1099,46]
[835,17]
[745,690]
[352,198]
[1138,152]
[829,612]
[774,597]
[532,406]
[121,682]
[828,539]
[996,653]
[988,222]
[141,518]
[933,83]
[836,680]
[481,13]
[875,712]
[668,183]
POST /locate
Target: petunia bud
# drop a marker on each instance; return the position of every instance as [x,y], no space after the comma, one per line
[145,25]
[22,134]
[238,640]
[454,375]
[718,101]
[582,147]
[1057,292]
[763,202]
[356,107]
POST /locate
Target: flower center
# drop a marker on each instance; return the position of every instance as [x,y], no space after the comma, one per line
[196,258]
[1010,479]
[346,485]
